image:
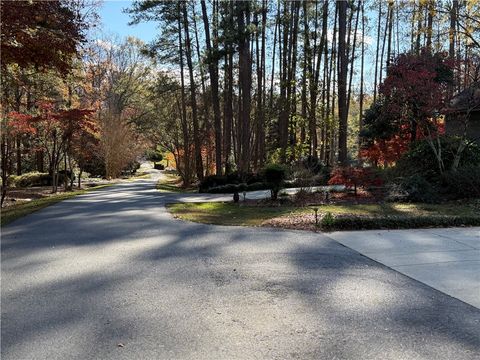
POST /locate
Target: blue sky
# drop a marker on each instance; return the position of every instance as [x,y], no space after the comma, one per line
[115,21]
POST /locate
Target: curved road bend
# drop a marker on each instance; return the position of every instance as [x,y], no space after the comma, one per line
[111,275]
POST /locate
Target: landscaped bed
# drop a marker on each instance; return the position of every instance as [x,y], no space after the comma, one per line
[346,216]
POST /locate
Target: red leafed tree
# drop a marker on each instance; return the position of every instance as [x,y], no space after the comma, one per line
[14,124]
[84,148]
[412,97]
[56,130]
[43,34]
[354,177]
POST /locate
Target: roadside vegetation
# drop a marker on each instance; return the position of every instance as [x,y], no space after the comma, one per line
[331,217]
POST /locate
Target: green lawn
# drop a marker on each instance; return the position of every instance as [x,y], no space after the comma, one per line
[21,209]
[389,215]
[220,213]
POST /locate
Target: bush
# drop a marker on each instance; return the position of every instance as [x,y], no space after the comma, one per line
[257,186]
[36,178]
[224,189]
[328,221]
[154,156]
[354,177]
[95,167]
[396,222]
[61,176]
[211,181]
[33,179]
[420,159]
[414,188]
[275,176]
[12,180]
[313,164]
[131,168]
[234,178]
[301,178]
[463,183]
[231,188]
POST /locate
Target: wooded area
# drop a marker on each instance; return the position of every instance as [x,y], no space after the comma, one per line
[232,85]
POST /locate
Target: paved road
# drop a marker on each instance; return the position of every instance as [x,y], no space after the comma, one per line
[113,267]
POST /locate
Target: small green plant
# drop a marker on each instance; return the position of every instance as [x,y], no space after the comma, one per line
[327,220]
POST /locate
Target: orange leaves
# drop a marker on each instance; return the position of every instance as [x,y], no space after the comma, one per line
[353,177]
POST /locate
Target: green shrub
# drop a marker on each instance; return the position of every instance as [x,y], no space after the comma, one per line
[257,186]
[463,183]
[413,188]
[95,166]
[397,222]
[275,175]
[12,180]
[131,168]
[233,178]
[224,189]
[154,156]
[327,221]
[33,179]
[420,159]
[231,188]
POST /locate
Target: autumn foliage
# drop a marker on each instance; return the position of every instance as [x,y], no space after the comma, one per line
[354,177]
[43,34]
[411,98]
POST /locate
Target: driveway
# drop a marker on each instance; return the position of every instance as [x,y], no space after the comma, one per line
[446,259]
[111,275]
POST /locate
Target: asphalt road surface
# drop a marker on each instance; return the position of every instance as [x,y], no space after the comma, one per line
[111,275]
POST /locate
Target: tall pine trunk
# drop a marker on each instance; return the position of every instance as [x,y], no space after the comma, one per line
[342,83]
[213,69]
[193,98]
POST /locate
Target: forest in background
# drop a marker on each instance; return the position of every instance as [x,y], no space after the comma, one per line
[231,86]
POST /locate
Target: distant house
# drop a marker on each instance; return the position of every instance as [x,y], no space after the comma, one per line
[465,108]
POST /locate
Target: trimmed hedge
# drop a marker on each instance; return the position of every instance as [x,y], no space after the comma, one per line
[231,188]
[396,222]
[235,178]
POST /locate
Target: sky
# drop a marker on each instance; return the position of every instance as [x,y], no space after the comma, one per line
[116,22]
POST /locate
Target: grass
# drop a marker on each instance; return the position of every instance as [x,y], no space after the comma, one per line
[371,216]
[21,209]
[221,213]
[172,183]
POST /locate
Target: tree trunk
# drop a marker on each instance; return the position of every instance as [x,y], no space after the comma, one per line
[342,83]
[213,69]
[193,98]
[362,66]
[352,62]
[186,140]
[390,26]
[245,80]
[430,10]
[377,51]
[19,155]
